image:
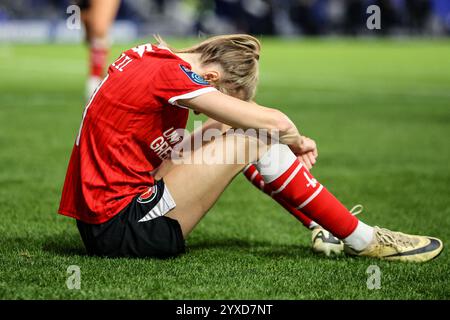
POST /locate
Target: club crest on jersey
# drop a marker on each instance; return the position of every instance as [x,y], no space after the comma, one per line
[194,77]
[148,195]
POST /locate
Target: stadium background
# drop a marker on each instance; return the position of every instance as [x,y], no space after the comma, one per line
[376,101]
[44,20]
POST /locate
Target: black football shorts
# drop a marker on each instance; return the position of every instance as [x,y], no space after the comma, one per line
[140,230]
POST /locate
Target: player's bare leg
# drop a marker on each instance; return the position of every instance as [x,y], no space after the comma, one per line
[322,241]
[196,187]
[97,19]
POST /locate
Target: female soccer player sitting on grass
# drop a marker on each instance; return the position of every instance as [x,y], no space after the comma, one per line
[127,204]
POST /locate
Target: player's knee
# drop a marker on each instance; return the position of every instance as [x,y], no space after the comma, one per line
[245,148]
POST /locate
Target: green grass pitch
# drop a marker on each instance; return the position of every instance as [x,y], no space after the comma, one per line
[379,110]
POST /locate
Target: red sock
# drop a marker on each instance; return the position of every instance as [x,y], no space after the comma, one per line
[252,174]
[98,59]
[293,183]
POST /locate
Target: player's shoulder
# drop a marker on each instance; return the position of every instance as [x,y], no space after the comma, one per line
[169,61]
[153,53]
[165,65]
[157,58]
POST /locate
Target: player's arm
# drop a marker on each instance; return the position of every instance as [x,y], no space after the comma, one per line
[211,124]
[198,134]
[241,114]
[307,158]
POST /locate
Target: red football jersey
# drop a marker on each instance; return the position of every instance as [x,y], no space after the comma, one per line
[128,128]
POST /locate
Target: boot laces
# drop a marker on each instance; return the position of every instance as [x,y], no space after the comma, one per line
[357,209]
[385,236]
[393,239]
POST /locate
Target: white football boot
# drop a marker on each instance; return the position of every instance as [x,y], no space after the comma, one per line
[323,242]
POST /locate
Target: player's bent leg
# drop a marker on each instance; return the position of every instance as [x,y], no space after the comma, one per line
[196,187]
[296,186]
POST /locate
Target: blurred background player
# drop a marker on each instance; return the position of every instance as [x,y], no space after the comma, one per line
[97,17]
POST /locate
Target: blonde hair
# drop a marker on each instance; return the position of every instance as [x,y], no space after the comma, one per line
[237,55]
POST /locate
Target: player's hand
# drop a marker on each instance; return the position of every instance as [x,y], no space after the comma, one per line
[307,159]
[308,153]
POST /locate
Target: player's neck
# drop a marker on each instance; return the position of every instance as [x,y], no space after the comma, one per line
[194,60]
